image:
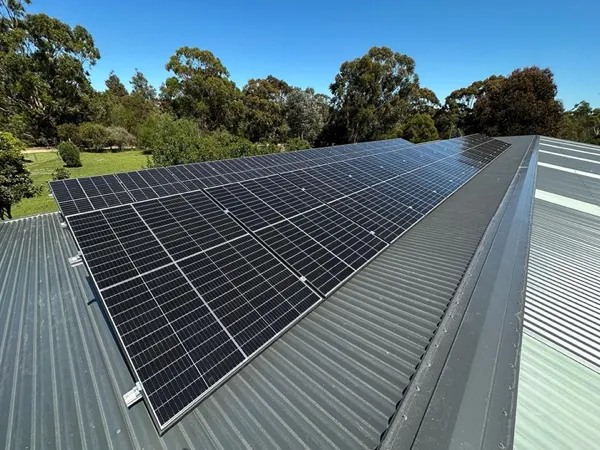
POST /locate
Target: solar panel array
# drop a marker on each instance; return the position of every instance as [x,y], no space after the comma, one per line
[86,194]
[197,282]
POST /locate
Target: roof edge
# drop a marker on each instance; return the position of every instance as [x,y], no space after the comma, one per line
[452,356]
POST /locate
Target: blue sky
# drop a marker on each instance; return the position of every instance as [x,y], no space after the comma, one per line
[453,42]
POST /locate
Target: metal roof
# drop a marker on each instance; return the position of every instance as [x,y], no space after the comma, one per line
[560,356]
[563,290]
[467,396]
[558,402]
[334,380]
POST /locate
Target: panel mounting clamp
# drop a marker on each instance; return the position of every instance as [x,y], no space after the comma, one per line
[76,260]
[134,395]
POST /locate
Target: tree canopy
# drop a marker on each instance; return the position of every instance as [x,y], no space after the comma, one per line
[200,89]
[43,72]
[46,97]
[523,103]
[15,180]
[264,103]
[370,95]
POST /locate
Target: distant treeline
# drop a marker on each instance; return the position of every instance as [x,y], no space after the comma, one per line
[198,113]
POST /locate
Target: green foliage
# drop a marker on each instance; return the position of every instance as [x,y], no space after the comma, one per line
[69,153]
[92,136]
[61,174]
[116,107]
[424,101]
[306,113]
[44,80]
[371,95]
[179,141]
[171,141]
[140,86]
[523,103]
[200,114]
[457,116]
[15,180]
[420,128]
[200,89]
[67,132]
[120,137]
[223,145]
[582,124]
[11,146]
[114,86]
[296,144]
[264,102]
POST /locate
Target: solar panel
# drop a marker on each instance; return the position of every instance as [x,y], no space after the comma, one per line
[76,196]
[259,203]
[201,266]
[322,245]
[191,295]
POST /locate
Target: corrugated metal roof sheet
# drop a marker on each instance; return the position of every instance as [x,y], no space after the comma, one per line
[558,393]
[559,401]
[563,302]
[333,381]
[563,292]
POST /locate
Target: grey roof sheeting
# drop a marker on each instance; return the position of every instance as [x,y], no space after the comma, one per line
[334,380]
[466,398]
[563,300]
[558,397]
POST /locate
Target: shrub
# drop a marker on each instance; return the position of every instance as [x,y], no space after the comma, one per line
[67,132]
[61,174]
[171,141]
[69,153]
[120,137]
[9,143]
[222,145]
[92,136]
[296,144]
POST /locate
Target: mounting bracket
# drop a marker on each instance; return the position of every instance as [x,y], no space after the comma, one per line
[134,395]
[76,260]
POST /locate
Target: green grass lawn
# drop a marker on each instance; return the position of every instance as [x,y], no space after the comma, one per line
[43,164]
